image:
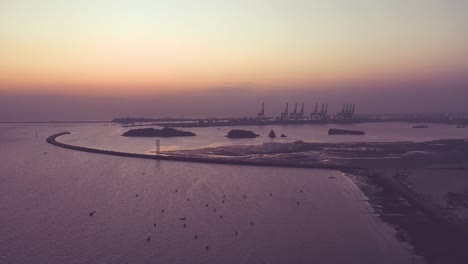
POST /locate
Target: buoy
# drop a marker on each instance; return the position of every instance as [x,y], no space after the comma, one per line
[162,210]
[298,203]
[236,233]
[251,223]
[154,225]
[148,239]
[207,247]
[196,237]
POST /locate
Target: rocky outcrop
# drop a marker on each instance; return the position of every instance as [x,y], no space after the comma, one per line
[152,132]
[237,133]
[334,131]
[272,134]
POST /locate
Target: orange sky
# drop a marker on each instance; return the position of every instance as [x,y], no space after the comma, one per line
[94,47]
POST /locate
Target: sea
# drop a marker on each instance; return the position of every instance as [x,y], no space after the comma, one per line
[64,206]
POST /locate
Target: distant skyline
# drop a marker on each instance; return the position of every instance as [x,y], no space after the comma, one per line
[106,58]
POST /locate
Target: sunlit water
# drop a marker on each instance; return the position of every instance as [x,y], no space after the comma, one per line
[47,193]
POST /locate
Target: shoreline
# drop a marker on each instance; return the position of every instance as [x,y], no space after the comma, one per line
[440,229]
[435,212]
[52,140]
[381,176]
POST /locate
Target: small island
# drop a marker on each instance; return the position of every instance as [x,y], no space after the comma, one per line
[152,132]
[237,133]
[420,126]
[334,131]
[272,134]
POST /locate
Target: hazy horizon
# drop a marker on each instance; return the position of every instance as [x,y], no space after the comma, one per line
[231,102]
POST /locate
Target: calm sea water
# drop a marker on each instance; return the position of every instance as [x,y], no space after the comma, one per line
[109,137]
[47,193]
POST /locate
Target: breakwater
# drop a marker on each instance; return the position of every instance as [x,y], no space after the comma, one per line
[384,179]
[227,161]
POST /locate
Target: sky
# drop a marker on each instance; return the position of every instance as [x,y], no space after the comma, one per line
[96,59]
